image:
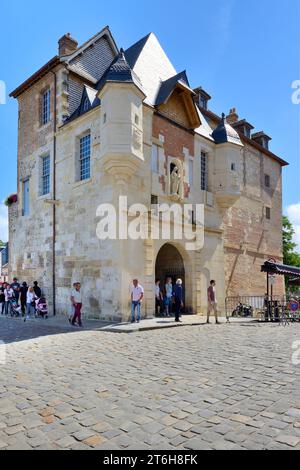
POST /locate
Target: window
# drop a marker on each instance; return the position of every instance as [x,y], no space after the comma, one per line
[85,157]
[86,105]
[203,102]
[247,132]
[191,172]
[233,167]
[26,197]
[203,171]
[267,181]
[268,213]
[155,159]
[136,119]
[45,186]
[104,118]
[265,144]
[46,107]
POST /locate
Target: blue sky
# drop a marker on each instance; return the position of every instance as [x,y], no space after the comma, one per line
[245,54]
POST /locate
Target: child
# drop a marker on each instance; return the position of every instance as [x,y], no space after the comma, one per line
[30,303]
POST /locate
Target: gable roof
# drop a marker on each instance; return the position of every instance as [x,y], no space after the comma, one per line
[167,87]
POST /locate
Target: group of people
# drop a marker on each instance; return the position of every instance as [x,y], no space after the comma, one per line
[171,295]
[23,295]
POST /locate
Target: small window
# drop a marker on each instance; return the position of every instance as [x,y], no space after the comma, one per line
[203,171]
[86,105]
[155,158]
[154,204]
[268,213]
[137,119]
[203,102]
[45,175]
[267,181]
[26,197]
[233,167]
[191,172]
[104,118]
[247,132]
[85,157]
[46,107]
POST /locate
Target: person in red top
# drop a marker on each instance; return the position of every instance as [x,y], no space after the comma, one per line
[212,301]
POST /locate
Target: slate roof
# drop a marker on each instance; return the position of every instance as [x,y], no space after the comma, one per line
[132,53]
[224,132]
[91,95]
[120,72]
[168,86]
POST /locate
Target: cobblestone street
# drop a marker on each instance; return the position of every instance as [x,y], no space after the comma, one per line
[198,387]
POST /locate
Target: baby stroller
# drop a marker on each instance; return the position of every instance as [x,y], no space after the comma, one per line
[15,309]
[41,309]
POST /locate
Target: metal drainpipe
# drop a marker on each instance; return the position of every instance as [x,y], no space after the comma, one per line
[54,199]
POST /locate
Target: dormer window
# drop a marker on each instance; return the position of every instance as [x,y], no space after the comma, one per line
[203,102]
[86,105]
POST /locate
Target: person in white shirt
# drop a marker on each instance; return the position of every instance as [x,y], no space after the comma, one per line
[30,303]
[76,299]
[137,295]
[8,295]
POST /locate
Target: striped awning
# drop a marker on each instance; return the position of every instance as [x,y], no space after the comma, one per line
[281,269]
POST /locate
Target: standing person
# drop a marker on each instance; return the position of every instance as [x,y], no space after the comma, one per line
[37,289]
[168,297]
[2,299]
[30,303]
[72,308]
[158,298]
[137,295]
[16,288]
[9,295]
[76,299]
[178,296]
[23,297]
[212,301]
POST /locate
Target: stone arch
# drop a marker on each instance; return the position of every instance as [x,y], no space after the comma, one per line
[172,260]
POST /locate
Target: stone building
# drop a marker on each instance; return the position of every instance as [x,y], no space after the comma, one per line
[96,123]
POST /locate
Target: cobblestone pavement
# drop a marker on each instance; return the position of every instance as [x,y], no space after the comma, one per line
[209,387]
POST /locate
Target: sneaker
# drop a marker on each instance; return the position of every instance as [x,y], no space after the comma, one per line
[132,321]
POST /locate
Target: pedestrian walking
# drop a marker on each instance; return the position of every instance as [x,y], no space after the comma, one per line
[137,295]
[168,299]
[212,301]
[158,298]
[30,303]
[23,297]
[178,297]
[77,302]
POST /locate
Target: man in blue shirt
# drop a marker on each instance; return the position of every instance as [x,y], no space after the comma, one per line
[178,296]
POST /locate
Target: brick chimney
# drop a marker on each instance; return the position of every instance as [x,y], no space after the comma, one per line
[232,116]
[67,45]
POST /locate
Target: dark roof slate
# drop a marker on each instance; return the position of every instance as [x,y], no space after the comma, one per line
[132,53]
[168,86]
[121,72]
[224,132]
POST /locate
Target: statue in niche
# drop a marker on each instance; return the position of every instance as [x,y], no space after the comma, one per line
[175,180]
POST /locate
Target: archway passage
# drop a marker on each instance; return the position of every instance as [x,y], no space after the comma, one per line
[169,263]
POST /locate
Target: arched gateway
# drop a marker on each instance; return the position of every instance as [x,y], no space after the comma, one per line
[171,263]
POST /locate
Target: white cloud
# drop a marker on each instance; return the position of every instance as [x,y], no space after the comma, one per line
[3,223]
[293,212]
